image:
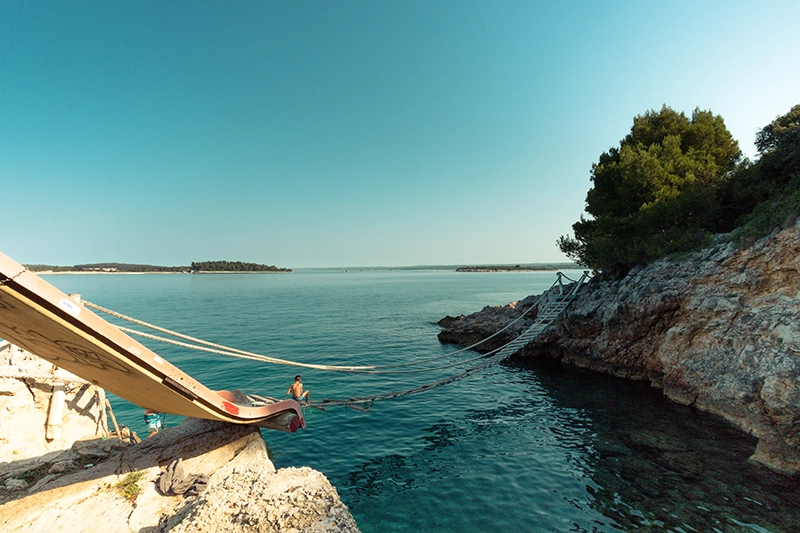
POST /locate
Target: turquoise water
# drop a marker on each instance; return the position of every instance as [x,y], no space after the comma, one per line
[518,447]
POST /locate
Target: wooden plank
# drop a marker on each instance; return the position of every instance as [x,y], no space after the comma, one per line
[43,320]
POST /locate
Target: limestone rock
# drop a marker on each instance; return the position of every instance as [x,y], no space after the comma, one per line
[719,330]
[469,330]
[245,493]
[291,499]
[26,400]
[15,484]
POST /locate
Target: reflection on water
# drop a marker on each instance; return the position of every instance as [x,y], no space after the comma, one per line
[518,447]
[574,451]
[660,465]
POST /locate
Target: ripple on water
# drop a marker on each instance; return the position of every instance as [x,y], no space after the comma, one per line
[518,447]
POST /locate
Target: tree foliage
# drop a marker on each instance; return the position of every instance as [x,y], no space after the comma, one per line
[675,181]
[656,193]
[781,136]
[234,266]
[764,195]
[204,266]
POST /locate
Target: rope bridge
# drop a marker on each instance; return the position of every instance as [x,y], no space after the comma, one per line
[551,304]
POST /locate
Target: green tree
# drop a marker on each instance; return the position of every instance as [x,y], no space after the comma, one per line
[655,194]
[234,266]
[766,194]
[782,136]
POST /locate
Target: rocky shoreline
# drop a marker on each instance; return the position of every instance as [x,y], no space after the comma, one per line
[197,477]
[719,331]
[240,491]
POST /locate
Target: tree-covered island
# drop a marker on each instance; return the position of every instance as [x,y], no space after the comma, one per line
[128,268]
[234,266]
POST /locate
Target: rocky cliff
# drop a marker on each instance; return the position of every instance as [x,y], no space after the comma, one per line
[719,330]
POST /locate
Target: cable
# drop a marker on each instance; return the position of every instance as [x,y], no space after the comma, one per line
[234,352]
[490,358]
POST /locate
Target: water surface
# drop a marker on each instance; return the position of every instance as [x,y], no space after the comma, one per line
[518,447]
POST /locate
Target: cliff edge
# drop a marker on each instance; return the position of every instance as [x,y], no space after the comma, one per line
[719,330]
[224,482]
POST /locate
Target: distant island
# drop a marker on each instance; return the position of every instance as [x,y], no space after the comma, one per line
[234,266]
[211,267]
[127,268]
[518,268]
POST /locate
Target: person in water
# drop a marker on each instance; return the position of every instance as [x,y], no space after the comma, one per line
[296,390]
[153,421]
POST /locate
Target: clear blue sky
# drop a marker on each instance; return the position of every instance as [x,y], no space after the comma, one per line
[366,133]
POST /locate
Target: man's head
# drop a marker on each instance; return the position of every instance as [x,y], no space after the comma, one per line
[298,378]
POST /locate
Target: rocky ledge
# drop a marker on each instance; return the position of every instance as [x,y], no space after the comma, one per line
[61,468]
[199,476]
[719,330]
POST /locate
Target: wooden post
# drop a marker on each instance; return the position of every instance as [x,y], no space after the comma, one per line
[113,419]
[55,414]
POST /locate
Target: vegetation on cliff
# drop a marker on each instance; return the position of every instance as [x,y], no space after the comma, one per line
[764,195]
[676,181]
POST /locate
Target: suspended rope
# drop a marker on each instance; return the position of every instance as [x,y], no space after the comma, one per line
[210,347]
[266,359]
[492,357]
[570,279]
[488,359]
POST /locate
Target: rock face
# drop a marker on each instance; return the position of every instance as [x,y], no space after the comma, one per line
[291,499]
[70,476]
[119,493]
[27,397]
[719,330]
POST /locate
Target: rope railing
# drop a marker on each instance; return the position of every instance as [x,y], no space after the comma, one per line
[545,301]
[332,368]
[493,357]
[490,359]
[219,349]
[584,276]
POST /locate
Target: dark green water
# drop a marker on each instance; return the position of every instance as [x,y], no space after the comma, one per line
[517,447]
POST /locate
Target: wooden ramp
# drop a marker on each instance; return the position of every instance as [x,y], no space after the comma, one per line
[43,320]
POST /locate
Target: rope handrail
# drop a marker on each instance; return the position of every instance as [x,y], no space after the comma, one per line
[243,354]
[492,357]
[569,278]
[267,359]
[489,358]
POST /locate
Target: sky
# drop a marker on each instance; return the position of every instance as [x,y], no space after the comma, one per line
[350,133]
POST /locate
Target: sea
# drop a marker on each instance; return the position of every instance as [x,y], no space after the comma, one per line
[518,446]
